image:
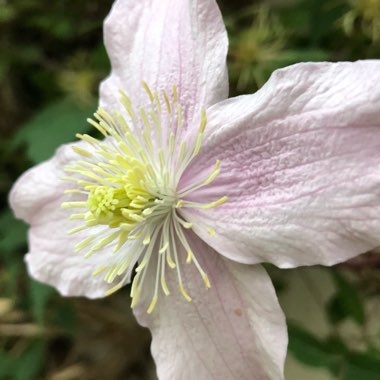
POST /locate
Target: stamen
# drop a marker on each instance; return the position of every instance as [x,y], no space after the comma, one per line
[99,270]
[74,205]
[167,102]
[205,182]
[174,247]
[89,139]
[128,184]
[113,289]
[190,257]
[216,203]
[163,280]
[148,91]
[82,152]
[175,94]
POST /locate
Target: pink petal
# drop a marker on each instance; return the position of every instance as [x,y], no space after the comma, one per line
[300,165]
[166,43]
[36,198]
[41,185]
[234,330]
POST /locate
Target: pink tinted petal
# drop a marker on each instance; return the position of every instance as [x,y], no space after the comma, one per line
[234,330]
[166,43]
[40,185]
[36,198]
[301,166]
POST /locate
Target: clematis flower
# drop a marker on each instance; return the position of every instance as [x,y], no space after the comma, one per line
[189,192]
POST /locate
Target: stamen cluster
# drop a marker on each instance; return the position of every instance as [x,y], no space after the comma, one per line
[128,183]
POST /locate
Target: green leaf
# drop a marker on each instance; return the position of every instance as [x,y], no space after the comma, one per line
[307,348]
[65,317]
[24,366]
[288,57]
[333,355]
[31,361]
[54,125]
[335,312]
[8,13]
[8,365]
[4,67]
[346,303]
[12,234]
[361,367]
[40,295]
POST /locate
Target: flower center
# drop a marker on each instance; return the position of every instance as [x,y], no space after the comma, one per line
[130,193]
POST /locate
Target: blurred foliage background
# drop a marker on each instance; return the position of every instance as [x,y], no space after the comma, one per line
[51,61]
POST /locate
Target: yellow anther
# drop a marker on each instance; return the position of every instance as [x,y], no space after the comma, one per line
[136,298]
[186,225]
[97,126]
[175,94]
[148,211]
[214,173]
[103,242]
[77,229]
[216,203]
[170,262]
[189,256]
[180,204]
[111,274]
[203,123]
[74,205]
[148,91]
[171,142]
[123,237]
[99,270]
[167,101]
[81,151]
[137,218]
[127,226]
[206,281]
[143,263]
[91,140]
[157,102]
[183,292]
[113,289]
[164,247]
[127,104]
[182,151]
[146,240]
[152,304]
[73,191]
[84,243]
[77,216]
[127,188]
[164,286]
[198,143]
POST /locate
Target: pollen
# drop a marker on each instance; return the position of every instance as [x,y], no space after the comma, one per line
[126,195]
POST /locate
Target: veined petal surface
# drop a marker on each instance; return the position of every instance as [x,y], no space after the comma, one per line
[36,198]
[300,163]
[234,330]
[166,43]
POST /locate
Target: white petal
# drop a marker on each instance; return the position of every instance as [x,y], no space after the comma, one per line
[300,163]
[36,198]
[234,330]
[166,43]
